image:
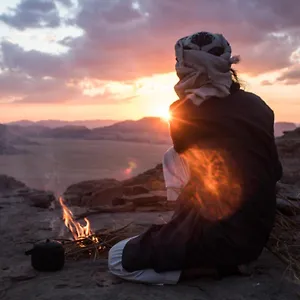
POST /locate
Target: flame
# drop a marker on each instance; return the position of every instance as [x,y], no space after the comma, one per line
[78,231]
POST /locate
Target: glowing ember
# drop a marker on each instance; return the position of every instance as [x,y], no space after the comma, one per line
[78,231]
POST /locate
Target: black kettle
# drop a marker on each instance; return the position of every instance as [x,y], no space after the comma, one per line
[47,256]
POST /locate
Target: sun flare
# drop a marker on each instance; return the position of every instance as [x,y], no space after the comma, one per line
[164,114]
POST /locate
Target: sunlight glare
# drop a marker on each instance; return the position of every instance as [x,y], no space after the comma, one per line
[163,113]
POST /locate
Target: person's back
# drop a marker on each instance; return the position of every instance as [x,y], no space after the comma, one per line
[239,131]
[242,122]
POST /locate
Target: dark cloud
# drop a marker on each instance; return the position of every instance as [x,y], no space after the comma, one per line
[33,63]
[124,40]
[32,14]
[143,43]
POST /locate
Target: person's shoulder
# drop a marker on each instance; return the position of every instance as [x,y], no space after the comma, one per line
[248,96]
[179,105]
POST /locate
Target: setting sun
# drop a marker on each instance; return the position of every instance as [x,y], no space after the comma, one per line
[164,114]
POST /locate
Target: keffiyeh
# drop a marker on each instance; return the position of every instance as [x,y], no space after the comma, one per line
[203,66]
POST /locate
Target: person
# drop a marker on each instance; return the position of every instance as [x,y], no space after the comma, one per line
[221,171]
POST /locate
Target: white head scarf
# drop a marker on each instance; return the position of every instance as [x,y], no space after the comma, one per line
[203,66]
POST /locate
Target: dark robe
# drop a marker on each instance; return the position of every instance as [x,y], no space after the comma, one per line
[226,212]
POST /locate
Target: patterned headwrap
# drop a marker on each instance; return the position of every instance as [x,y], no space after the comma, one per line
[203,66]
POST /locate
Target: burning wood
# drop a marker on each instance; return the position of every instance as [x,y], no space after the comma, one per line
[87,243]
[78,231]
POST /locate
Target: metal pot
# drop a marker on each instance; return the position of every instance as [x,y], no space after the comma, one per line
[47,256]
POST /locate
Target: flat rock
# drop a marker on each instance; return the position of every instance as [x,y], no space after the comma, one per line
[9,184]
[289,191]
[152,179]
[135,190]
[287,207]
[93,193]
[128,207]
[144,199]
[41,199]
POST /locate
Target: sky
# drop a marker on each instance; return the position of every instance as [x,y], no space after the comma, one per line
[114,59]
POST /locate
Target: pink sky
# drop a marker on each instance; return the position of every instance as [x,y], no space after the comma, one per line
[95,59]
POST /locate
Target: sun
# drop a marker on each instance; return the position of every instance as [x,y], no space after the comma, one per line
[163,113]
[166,116]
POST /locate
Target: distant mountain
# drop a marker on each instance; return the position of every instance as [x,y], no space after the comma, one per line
[281,127]
[67,132]
[147,130]
[22,123]
[59,123]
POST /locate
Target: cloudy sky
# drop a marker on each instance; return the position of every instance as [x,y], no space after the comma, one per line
[114,59]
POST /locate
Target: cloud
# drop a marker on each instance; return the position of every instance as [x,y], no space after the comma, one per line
[266,82]
[67,3]
[24,89]
[124,40]
[33,63]
[141,40]
[32,14]
[291,76]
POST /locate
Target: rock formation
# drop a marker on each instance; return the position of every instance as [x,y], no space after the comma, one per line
[12,188]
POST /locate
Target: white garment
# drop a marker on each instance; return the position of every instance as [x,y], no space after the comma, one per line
[176,174]
[143,276]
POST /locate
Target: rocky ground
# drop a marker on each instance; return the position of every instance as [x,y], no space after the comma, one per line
[28,215]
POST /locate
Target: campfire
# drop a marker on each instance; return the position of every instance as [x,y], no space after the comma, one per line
[88,244]
[78,231]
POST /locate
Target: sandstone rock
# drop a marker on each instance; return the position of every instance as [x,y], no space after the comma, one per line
[102,197]
[128,207]
[151,208]
[93,193]
[288,147]
[289,191]
[135,190]
[156,185]
[110,191]
[162,206]
[144,199]
[289,153]
[152,179]
[9,184]
[41,199]
[118,201]
[162,193]
[288,208]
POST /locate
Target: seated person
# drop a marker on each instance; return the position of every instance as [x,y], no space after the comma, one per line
[221,171]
